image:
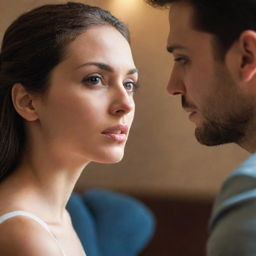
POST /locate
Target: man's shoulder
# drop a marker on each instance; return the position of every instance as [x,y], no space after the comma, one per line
[233,222]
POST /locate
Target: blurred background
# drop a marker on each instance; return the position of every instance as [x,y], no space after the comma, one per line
[164,166]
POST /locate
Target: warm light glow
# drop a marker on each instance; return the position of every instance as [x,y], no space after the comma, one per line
[125,3]
[125,6]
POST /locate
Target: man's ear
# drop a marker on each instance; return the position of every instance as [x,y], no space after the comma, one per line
[247,45]
[23,102]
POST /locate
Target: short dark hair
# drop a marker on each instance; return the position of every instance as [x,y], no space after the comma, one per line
[225,19]
[32,46]
[160,3]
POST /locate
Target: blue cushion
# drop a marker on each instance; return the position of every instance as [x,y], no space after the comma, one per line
[84,225]
[123,224]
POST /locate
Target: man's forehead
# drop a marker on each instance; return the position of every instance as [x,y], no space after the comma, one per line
[180,26]
[182,33]
[181,16]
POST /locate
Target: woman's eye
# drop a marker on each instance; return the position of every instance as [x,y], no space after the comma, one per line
[93,80]
[130,86]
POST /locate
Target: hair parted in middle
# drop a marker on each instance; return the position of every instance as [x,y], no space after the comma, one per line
[32,46]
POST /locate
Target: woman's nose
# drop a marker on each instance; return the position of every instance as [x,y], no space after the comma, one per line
[122,103]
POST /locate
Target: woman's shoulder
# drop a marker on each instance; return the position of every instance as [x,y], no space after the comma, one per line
[25,237]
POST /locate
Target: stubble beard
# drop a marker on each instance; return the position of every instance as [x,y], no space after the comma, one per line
[228,115]
[213,133]
[231,127]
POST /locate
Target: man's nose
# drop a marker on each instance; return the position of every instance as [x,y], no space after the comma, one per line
[176,85]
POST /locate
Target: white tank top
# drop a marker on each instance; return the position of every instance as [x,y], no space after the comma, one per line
[35,218]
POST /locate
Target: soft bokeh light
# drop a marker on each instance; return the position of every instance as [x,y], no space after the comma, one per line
[125,3]
[125,8]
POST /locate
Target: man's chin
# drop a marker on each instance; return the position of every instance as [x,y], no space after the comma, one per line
[213,134]
[203,139]
[211,137]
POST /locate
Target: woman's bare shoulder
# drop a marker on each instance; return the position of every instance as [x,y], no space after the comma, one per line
[25,237]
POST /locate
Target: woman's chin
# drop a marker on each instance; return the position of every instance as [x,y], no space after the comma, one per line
[110,158]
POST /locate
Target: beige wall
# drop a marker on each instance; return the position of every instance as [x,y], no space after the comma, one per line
[162,155]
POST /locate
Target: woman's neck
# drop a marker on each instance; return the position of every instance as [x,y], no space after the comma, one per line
[44,185]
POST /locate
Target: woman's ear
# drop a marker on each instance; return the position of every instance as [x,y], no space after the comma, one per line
[23,102]
[247,45]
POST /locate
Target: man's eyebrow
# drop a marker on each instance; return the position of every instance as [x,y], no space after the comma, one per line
[106,67]
[174,47]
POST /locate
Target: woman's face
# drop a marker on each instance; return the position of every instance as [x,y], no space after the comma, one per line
[89,107]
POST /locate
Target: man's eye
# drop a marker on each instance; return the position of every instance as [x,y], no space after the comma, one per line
[93,80]
[181,60]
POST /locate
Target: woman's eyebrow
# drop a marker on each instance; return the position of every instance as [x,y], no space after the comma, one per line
[133,71]
[106,67]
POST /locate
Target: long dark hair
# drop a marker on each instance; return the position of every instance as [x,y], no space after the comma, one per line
[32,46]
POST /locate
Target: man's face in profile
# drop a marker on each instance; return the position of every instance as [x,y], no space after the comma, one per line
[210,95]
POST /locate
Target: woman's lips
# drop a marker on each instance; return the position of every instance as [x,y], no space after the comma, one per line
[117,133]
[117,137]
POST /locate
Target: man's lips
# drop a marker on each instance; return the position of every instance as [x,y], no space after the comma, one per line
[191,112]
[117,133]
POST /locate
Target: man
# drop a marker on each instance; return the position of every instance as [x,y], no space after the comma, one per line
[213,43]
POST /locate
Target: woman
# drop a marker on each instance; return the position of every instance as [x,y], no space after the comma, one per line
[67,80]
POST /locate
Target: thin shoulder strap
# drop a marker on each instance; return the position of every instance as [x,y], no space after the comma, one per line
[10,215]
